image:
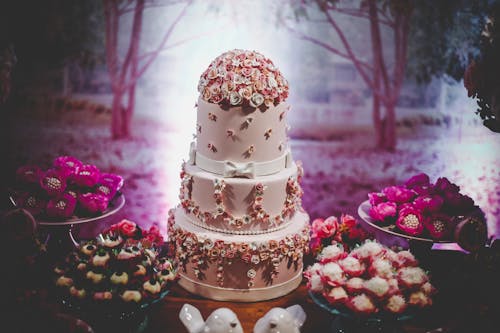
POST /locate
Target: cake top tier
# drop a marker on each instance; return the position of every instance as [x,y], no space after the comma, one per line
[243,78]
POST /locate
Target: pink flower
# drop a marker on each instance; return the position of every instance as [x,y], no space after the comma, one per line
[53,182]
[376,197]
[154,236]
[124,227]
[111,179]
[418,180]
[87,175]
[68,163]
[62,206]
[398,194]
[325,228]
[439,226]
[28,174]
[410,221]
[383,212]
[93,203]
[428,204]
[458,203]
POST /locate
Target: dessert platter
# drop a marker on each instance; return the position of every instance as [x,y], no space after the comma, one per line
[68,193]
[239,230]
[419,214]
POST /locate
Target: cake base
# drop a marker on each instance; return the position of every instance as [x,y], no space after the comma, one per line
[240,295]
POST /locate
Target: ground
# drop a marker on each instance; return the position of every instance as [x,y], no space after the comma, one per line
[338,173]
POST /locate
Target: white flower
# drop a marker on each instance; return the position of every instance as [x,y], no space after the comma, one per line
[235,62]
[256,100]
[238,79]
[331,252]
[333,272]
[235,98]
[271,81]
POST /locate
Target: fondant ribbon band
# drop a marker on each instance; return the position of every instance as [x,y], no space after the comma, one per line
[229,169]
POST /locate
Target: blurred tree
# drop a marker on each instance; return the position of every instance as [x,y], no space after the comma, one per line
[125,71]
[420,39]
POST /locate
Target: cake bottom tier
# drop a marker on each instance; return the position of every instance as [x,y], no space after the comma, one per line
[243,268]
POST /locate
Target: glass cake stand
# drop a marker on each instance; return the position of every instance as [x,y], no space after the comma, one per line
[391,237]
[345,321]
[59,233]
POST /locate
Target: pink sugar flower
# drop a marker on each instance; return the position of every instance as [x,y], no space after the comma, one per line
[53,182]
[410,221]
[62,206]
[111,179]
[398,194]
[93,203]
[69,163]
[376,197]
[28,174]
[87,176]
[439,226]
[418,180]
[383,212]
[428,203]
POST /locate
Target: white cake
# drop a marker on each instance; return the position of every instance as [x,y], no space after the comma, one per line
[240,231]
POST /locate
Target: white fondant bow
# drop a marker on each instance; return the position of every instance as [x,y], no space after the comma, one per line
[233,169]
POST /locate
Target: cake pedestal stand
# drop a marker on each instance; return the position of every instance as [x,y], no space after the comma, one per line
[60,238]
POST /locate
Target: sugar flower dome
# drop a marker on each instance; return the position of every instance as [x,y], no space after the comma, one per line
[243,78]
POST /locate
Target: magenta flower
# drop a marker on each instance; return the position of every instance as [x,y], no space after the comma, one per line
[398,194]
[62,206]
[428,203]
[29,174]
[439,226]
[410,221]
[424,190]
[87,175]
[53,182]
[383,212]
[93,203]
[376,197]
[69,163]
[458,203]
[33,203]
[109,184]
[419,180]
[444,185]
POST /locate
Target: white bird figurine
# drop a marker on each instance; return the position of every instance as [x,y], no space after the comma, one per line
[222,320]
[280,320]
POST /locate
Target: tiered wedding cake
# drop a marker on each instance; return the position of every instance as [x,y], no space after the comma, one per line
[240,231]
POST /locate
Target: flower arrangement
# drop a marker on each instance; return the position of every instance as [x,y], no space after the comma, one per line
[420,208]
[67,188]
[243,78]
[124,265]
[370,279]
[347,231]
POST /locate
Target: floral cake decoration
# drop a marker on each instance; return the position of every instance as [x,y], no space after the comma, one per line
[68,187]
[124,265]
[243,78]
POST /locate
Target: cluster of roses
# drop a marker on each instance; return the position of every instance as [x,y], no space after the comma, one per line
[123,265]
[243,78]
[370,279]
[69,187]
[421,208]
[325,232]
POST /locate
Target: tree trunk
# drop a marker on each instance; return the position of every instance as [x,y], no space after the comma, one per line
[116,115]
[389,127]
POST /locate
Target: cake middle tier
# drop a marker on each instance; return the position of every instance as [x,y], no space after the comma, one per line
[240,205]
